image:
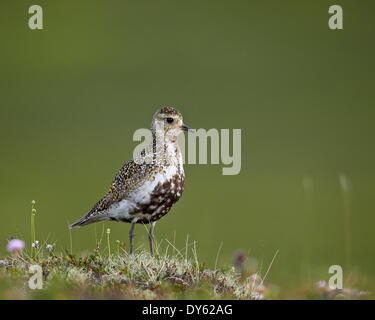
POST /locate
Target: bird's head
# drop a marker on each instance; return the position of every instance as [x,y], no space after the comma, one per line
[168,121]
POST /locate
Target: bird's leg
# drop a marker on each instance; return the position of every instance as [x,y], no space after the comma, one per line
[131,236]
[151,237]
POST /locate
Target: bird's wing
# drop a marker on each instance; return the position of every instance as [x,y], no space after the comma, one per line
[130,177]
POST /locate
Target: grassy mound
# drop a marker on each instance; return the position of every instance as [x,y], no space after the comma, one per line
[123,276]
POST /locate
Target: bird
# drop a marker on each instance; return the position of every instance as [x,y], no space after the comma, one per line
[147,186]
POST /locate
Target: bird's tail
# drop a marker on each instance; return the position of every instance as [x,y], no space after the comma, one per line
[88,219]
[80,223]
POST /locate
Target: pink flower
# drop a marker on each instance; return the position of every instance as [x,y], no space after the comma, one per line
[261,289]
[321,284]
[15,245]
[239,260]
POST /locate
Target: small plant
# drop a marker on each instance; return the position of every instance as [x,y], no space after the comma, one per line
[33,248]
[49,247]
[118,246]
[108,242]
[346,190]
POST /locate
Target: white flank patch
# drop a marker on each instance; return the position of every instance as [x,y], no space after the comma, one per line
[142,195]
[121,210]
[125,208]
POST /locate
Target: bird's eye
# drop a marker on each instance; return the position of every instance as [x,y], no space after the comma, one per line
[169,120]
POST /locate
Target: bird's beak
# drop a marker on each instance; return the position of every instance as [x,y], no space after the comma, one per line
[184,127]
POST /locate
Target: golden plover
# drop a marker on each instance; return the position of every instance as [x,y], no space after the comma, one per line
[145,188]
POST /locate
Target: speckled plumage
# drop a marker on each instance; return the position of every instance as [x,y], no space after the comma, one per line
[146,187]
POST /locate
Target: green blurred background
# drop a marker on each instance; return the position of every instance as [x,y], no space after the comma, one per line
[73,94]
